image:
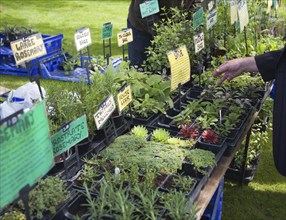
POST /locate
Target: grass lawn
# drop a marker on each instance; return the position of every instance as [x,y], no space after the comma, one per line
[263,199]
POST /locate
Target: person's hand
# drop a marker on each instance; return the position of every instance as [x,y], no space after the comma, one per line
[234,68]
[229,69]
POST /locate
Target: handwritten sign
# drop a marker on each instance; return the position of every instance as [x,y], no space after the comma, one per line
[124,97]
[243,14]
[149,8]
[233,12]
[104,111]
[69,135]
[28,48]
[180,66]
[25,154]
[198,18]
[199,42]
[82,38]
[124,37]
[107,31]
[211,18]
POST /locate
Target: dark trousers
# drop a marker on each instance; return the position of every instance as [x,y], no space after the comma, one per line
[137,48]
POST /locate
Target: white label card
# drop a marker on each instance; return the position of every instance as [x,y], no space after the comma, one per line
[82,38]
[105,110]
[199,42]
[243,14]
[28,48]
[211,18]
[233,12]
[125,37]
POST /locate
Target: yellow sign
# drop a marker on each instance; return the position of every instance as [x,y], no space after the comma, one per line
[233,12]
[180,66]
[124,97]
[28,48]
[124,37]
[243,14]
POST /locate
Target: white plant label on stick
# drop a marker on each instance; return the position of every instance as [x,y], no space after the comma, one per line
[82,38]
[211,5]
[28,48]
[269,4]
[180,66]
[105,110]
[199,41]
[124,37]
[243,14]
[233,12]
[211,18]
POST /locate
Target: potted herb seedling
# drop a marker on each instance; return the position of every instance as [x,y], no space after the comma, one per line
[139,131]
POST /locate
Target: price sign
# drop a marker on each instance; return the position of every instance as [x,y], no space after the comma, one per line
[104,111]
[69,135]
[233,12]
[25,154]
[198,18]
[180,66]
[82,38]
[199,42]
[124,97]
[149,7]
[124,37]
[211,18]
[243,14]
[28,48]
[107,31]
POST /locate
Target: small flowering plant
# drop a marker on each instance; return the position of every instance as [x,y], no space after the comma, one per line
[209,136]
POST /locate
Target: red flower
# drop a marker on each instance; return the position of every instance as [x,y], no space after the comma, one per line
[189,132]
[209,136]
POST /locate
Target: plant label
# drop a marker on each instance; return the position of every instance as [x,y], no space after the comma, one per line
[275,4]
[124,97]
[28,48]
[104,111]
[243,14]
[82,38]
[124,37]
[25,154]
[233,12]
[269,5]
[198,18]
[107,31]
[199,42]
[210,5]
[69,135]
[149,7]
[180,66]
[211,18]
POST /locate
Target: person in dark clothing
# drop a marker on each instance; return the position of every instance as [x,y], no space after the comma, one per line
[271,65]
[143,28]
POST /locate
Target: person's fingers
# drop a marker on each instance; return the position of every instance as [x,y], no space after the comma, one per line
[222,79]
[221,69]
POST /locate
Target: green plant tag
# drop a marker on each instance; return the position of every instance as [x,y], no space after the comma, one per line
[198,18]
[69,135]
[104,111]
[199,41]
[82,38]
[211,18]
[149,7]
[107,31]
[180,66]
[28,48]
[275,4]
[124,97]
[243,14]
[124,37]
[25,154]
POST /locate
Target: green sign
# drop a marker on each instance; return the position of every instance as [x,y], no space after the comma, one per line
[198,18]
[25,152]
[149,8]
[69,135]
[107,31]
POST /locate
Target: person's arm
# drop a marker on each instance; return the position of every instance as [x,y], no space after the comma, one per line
[234,68]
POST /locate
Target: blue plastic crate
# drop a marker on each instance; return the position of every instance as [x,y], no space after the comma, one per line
[214,209]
